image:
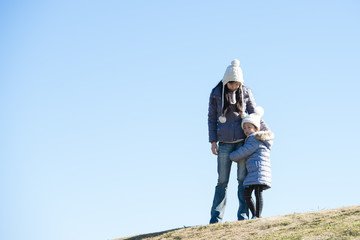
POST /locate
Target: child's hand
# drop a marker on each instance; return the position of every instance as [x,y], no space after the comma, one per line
[232,159]
[236,160]
[231,156]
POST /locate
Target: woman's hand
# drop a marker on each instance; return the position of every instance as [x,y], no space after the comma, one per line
[214,148]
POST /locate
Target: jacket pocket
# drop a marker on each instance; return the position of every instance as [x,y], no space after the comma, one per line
[251,166]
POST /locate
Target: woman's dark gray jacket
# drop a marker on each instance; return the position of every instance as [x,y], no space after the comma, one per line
[231,130]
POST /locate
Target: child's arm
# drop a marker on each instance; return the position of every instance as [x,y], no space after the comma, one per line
[250,146]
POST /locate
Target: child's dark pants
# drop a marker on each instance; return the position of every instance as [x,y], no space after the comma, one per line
[256,211]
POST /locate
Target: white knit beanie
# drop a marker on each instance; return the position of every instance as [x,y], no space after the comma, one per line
[254,118]
[233,73]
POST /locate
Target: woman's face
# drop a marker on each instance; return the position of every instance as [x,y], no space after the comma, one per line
[232,86]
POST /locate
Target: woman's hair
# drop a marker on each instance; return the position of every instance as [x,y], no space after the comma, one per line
[238,98]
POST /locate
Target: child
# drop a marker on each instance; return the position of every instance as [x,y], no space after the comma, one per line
[256,150]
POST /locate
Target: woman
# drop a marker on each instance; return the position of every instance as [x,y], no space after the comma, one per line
[229,102]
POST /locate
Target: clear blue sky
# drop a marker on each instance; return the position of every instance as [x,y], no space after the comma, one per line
[104,110]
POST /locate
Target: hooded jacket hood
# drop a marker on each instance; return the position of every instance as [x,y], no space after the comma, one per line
[267,137]
[264,135]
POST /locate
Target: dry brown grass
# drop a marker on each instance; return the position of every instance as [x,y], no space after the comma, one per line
[342,223]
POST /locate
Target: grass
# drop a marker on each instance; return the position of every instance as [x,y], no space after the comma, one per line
[334,224]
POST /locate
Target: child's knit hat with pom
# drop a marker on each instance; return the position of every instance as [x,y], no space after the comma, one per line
[233,73]
[254,118]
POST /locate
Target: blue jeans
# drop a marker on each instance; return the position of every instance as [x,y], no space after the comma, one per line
[224,167]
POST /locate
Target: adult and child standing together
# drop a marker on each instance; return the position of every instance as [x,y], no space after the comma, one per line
[237,133]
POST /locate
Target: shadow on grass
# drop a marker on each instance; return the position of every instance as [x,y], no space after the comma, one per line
[147,235]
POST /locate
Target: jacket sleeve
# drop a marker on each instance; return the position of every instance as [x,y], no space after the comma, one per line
[250,146]
[250,104]
[250,108]
[212,119]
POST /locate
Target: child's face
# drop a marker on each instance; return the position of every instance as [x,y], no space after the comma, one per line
[249,128]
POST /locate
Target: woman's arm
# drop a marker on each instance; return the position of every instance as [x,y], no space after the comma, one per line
[250,108]
[212,119]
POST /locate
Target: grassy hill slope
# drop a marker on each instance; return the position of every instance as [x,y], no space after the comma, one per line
[342,223]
